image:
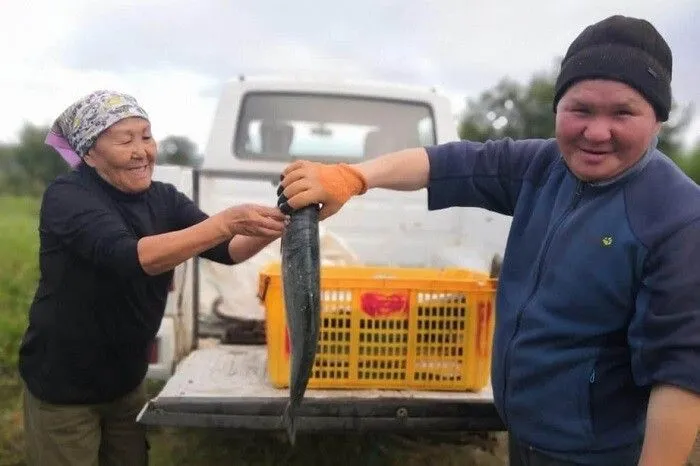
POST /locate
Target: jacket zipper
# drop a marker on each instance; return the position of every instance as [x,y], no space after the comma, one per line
[574,202]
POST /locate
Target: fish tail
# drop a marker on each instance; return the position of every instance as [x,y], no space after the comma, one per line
[289,424]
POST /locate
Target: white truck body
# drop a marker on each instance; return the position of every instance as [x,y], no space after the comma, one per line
[260,126]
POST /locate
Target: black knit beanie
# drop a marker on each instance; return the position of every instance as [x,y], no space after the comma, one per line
[623,49]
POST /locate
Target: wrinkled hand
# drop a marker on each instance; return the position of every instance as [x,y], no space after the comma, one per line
[254,220]
[332,185]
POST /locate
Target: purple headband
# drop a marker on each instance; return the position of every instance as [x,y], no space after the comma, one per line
[63,148]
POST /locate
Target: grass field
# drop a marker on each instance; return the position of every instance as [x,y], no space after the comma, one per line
[192,447]
[18,275]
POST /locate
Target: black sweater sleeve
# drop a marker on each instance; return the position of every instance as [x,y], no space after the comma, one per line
[186,213]
[86,226]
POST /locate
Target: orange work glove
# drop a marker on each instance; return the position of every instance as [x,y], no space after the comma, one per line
[332,185]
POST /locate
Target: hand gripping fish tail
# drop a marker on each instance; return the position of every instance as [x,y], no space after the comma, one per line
[301,277]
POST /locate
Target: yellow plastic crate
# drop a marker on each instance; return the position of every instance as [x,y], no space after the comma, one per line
[390,328]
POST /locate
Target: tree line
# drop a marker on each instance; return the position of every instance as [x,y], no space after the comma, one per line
[512,109]
[509,109]
[29,165]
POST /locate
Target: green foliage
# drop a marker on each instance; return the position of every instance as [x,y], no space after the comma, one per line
[690,163]
[671,135]
[18,278]
[27,167]
[39,162]
[19,272]
[511,110]
[177,150]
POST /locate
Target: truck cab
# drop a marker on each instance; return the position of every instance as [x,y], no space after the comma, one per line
[215,373]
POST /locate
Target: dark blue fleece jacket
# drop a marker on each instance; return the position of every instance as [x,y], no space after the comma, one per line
[599,294]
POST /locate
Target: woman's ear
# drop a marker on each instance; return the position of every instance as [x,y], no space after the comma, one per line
[89,157]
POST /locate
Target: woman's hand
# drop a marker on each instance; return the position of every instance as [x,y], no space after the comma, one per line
[254,220]
[257,226]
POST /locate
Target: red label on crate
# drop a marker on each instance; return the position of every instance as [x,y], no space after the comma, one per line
[382,305]
[482,327]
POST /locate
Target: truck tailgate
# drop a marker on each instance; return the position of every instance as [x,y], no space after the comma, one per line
[227,386]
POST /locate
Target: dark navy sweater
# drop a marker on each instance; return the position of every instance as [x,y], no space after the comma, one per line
[599,294]
[95,310]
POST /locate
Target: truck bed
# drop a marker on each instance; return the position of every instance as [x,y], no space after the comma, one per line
[227,386]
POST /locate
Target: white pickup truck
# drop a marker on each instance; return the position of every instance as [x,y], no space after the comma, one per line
[216,375]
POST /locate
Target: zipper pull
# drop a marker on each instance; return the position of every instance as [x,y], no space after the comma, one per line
[579,188]
[592,378]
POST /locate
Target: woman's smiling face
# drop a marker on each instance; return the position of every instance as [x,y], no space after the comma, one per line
[124,155]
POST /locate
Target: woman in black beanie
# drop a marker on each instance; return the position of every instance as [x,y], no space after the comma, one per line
[596,355]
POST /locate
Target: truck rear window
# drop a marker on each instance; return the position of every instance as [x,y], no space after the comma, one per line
[286,126]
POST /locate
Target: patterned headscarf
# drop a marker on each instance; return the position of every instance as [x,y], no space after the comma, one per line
[77,128]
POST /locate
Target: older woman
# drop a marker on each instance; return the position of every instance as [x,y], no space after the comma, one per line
[110,238]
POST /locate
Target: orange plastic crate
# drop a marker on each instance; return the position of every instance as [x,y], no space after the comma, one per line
[390,328]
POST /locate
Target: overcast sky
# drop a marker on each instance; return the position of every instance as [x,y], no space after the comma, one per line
[173,55]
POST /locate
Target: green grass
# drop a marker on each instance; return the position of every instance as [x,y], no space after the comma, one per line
[18,272]
[18,277]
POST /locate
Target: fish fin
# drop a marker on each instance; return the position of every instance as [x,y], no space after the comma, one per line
[288,421]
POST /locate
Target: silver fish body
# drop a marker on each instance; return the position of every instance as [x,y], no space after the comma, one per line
[302,301]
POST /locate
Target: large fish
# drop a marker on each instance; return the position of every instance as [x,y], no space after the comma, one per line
[302,289]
